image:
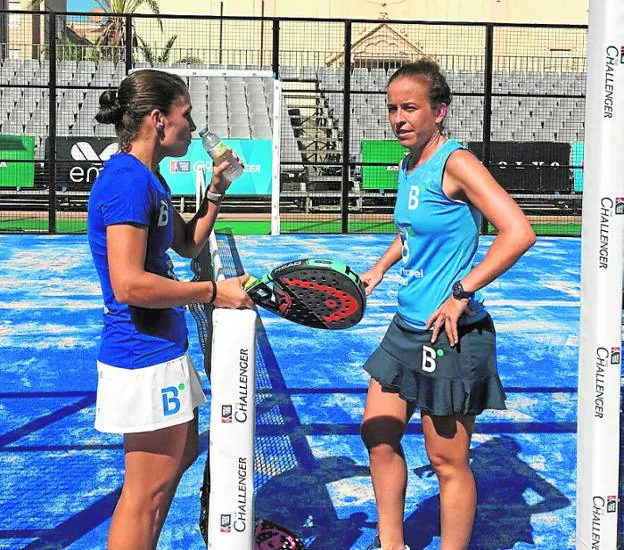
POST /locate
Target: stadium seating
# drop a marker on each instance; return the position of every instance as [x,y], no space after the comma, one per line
[242,107]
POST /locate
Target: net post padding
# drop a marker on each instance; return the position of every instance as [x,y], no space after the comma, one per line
[232,429]
[232,422]
[601,282]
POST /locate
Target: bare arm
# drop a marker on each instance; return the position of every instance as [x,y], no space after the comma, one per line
[131,284]
[391,256]
[466,179]
[190,237]
[467,176]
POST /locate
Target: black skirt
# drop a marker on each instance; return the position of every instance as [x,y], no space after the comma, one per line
[438,378]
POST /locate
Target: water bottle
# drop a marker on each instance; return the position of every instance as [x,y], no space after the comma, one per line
[220,152]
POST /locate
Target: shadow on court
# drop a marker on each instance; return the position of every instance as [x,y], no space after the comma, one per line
[61,479]
[510,492]
[300,500]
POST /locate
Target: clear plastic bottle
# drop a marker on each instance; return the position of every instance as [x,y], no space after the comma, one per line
[220,152]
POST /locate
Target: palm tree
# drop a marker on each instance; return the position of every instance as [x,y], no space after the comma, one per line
[148,51]
[114,28]
[112,40]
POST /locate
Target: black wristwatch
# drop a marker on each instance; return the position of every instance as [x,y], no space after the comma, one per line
[459,293]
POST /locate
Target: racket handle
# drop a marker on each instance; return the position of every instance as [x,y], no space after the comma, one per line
[250,282]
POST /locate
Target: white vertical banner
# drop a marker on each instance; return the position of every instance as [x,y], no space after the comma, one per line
[601,281]
[276,164]
[232,429]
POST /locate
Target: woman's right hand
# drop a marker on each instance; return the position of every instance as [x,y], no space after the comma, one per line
[371,279]
[231,294]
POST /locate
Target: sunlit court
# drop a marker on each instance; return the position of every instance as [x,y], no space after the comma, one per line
[311,469]
[428,200]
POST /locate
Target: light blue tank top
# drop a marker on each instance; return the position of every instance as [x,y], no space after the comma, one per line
[440,238]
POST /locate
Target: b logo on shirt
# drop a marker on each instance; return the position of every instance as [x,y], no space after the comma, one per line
[163,216]
[412,200]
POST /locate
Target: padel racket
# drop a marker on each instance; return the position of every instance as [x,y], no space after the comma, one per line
[317,293]
[269,535]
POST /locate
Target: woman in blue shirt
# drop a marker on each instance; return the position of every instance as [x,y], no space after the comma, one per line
[439,353]
[148,389]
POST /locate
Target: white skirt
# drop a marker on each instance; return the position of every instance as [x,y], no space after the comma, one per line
[147,399]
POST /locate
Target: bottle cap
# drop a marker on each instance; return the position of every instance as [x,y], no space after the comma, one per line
[203,131]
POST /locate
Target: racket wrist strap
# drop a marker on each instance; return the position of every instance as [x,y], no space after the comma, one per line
[213,296]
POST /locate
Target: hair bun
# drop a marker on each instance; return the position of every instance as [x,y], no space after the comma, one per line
[111,112]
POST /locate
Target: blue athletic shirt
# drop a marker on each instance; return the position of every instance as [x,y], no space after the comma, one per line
[440,238]
[127,192]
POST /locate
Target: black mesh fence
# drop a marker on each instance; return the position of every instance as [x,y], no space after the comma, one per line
[518,104]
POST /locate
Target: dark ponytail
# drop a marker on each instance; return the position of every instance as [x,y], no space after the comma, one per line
[110,111]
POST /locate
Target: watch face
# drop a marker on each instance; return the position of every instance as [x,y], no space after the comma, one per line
[458,290]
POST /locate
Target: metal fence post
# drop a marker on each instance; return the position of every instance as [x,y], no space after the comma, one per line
[487,106]
[276,47]
[346,145]
[129,39]
[52,127]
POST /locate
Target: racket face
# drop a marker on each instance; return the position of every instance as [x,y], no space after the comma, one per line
[269,535]
[319,293]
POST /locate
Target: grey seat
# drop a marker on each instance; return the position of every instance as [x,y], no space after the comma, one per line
[238,119]
[257,98]
[259,119]
[217,117]
[261,132]
[240,132]
[220,129]
[237,107]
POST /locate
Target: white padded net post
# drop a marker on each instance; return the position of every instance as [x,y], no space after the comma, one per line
[601,282]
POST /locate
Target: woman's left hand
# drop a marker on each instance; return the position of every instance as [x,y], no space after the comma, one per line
[446,317]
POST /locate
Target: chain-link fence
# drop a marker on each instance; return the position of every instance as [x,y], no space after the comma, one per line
[518,104]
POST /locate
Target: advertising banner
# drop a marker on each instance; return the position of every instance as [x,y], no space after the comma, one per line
[80,159]
[17,174]
[529,167]
[577,158]
[380,150]
[256,155]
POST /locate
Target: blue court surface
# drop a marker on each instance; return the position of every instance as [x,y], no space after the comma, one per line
[61,478]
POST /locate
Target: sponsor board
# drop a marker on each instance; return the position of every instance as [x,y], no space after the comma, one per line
[381,150]
[256,155]
[80,159]
[528,167]
[17,174]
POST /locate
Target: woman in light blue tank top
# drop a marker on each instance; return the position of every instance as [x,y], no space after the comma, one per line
[439,353]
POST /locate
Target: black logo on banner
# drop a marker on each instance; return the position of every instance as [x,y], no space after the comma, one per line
[528,167]
[226,414]
[622,55]
[606,210]
[242,403]
[611,60]
[80,159]
[616,356]
[226,523]
[619,205]
[602,358]
[611,504]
